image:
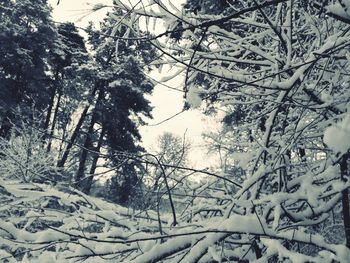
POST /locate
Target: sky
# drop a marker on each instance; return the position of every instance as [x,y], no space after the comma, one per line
[165,102]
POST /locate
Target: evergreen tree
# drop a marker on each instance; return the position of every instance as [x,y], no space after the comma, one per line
[25,42]
[71,78]
[121,85]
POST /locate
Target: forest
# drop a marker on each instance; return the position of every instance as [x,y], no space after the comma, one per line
[76,182]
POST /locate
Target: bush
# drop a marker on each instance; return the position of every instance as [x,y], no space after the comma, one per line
[23,156]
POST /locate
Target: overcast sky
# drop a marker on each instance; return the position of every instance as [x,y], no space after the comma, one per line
[166,102]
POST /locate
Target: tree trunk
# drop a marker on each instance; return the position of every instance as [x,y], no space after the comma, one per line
[64,158]
[51,103]
[60,148]
[84,153]
[87,144]
[54,120]
[6,125]
[88,182]
[345,199]
[302,154]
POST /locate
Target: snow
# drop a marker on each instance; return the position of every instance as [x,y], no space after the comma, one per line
[277,215]
[214,254]
[171,75]
[243,158]
[279,200]
[337,136]
[49,236]
[327,98]
[275,247]
[341,9]
[194,98]
[158,250]
[332,41]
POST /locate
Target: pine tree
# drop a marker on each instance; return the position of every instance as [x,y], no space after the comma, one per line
[121,85]
[25,41]
[70,80]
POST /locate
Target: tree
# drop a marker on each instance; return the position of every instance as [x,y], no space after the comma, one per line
[172,149]
[70,79]
[25,42]
[162,178]
[279,69]
[229,153]
[120,86]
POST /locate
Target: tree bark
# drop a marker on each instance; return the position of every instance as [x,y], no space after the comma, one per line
[75,133]
[87,144]
[345,199]
[52,100]
[6,125]
[88,182]
[302,154]
[54,120]
[84,153]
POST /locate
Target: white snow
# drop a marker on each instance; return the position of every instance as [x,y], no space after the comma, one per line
[337,136]
[193,97]
[342,10]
